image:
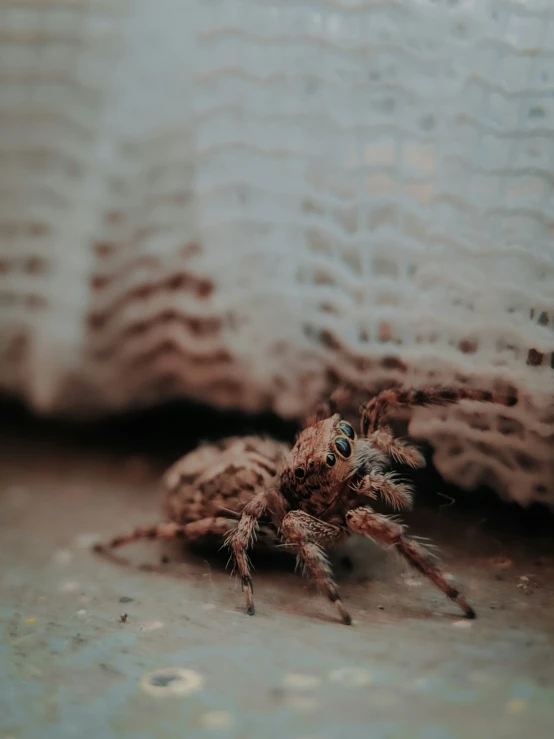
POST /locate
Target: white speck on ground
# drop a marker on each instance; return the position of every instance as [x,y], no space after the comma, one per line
[299,681]
[69,586]
[301,702]
[353,677]
[62,557]
[151,625]
[216,720]
[463,623]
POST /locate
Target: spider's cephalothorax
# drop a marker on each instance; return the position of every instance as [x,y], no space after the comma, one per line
[326,463]
[309,497]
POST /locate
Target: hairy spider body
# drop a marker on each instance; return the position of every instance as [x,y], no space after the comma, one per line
[255,491]
[205,491]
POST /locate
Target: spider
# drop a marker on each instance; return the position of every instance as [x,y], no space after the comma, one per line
[250,491]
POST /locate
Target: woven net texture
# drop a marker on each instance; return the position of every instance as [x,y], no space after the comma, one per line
[246,202]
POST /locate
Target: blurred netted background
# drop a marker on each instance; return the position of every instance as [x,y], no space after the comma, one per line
[244,202]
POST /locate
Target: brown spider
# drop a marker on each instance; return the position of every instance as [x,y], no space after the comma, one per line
[255,491]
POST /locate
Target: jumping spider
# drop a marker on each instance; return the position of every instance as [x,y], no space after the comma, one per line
[252,491]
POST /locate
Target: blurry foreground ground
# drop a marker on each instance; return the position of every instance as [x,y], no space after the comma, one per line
[410,667]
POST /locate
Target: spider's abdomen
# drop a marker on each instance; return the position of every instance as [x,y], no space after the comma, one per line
[219,479]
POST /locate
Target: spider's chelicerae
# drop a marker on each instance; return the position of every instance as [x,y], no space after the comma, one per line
[252,491]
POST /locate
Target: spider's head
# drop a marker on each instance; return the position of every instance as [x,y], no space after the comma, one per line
[322,459]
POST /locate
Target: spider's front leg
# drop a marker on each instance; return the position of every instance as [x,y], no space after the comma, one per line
[243,537]
[384,530]
[375,411]
[309,535]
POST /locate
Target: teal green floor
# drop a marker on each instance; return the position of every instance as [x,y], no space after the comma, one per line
[409,667]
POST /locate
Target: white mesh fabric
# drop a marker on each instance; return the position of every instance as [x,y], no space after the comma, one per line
[251,200]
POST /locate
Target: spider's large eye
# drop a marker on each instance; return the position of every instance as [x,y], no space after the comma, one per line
[299,473]
[346,429]
[343,447]
[331,459]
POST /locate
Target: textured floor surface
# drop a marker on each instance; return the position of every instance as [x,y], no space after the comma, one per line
[410,666]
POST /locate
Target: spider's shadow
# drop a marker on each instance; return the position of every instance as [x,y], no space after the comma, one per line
[357,561]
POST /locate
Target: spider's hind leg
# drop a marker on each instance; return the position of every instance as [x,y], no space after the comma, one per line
[190,532]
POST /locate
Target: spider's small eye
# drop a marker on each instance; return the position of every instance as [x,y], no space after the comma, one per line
[346,429]
[331,459]
[299,473]
[343,447]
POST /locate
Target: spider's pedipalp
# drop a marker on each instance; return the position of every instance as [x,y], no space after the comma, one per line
[394,491]
[367,457]
[398,449]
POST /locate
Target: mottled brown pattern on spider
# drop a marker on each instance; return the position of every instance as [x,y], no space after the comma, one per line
[250,490]
[205,491]
[219,479]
